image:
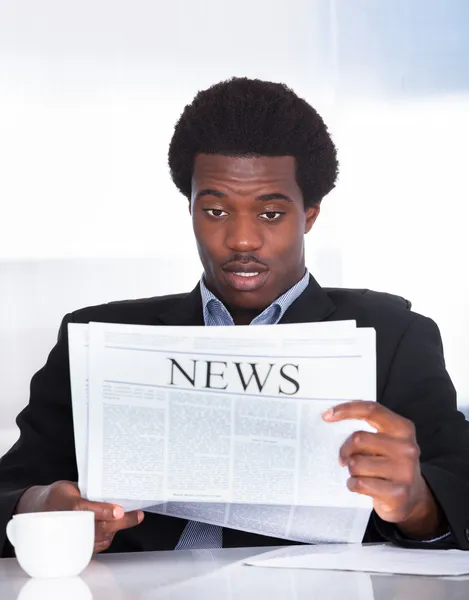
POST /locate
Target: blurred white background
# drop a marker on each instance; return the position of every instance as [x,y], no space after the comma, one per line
[90,92]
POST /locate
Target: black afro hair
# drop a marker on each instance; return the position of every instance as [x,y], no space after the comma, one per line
[250,117]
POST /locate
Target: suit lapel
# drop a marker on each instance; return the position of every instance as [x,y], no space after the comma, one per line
[185,311]
[312,306]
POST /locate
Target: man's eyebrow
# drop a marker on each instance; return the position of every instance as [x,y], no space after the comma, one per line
[274,196]
[209,192]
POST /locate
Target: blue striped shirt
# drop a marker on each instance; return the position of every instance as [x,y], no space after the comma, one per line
[216,313]
[202,535]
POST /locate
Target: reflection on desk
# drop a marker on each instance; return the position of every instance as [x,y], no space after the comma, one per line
[70,588]
[218,574]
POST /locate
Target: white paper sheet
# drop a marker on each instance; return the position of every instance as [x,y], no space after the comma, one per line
[78,339]
[369,558]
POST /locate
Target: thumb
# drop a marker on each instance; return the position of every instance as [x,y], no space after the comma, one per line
[103,511]
[383,509]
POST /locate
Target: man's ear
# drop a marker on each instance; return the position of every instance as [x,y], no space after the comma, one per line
[311,214]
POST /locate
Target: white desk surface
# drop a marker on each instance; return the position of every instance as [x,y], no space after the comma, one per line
[218,574]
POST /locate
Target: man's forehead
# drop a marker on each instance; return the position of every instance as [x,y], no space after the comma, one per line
[242,168]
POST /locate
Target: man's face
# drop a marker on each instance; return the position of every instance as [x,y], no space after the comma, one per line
[249,222]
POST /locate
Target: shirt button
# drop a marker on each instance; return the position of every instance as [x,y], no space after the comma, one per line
[466,533]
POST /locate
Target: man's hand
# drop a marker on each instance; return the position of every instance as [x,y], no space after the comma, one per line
[385,465]
[64,495]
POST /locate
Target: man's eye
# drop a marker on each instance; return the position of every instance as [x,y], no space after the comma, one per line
[215,212]
[271,216]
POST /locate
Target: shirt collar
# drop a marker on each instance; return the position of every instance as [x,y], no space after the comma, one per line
[216,313]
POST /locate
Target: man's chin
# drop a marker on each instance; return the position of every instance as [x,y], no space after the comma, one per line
[245,283]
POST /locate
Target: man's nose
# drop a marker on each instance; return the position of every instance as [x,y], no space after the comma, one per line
[243,234]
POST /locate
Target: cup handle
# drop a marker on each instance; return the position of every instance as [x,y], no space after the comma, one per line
[10,532]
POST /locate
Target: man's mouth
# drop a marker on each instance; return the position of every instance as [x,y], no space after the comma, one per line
[245,277]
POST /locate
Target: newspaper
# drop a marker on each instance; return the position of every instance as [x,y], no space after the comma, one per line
[223,425]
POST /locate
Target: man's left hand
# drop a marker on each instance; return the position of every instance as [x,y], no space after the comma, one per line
[385,465]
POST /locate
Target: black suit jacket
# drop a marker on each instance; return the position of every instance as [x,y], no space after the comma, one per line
[411,379]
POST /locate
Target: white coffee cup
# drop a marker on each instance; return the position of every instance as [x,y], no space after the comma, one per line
[52,544]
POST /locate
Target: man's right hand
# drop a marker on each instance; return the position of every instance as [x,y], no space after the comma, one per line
[64,495]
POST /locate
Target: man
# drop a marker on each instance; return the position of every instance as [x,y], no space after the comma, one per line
[255,162]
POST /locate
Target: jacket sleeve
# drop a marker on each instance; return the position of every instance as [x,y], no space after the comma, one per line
[45,451]
[420,389]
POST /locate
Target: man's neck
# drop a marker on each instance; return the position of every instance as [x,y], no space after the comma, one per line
[243,317]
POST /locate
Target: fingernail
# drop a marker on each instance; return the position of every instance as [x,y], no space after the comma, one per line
[342,462]
[328,414]
[118,512]
[140,516]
